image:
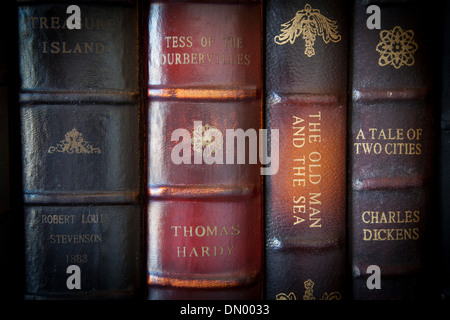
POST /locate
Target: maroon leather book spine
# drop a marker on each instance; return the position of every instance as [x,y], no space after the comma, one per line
[306,93]
[391,151]
[204,221]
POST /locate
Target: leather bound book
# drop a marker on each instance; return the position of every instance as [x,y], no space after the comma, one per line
[391,151]
[305,99]
[204,217]
[79,101]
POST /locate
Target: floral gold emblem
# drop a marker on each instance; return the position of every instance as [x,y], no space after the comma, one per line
[309,294]
[204,140]
[73,143]
[309,23]
[396,47]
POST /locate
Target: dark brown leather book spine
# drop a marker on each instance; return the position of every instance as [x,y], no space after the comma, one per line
[204,218]
[306,92]
[80,121]
[391,150]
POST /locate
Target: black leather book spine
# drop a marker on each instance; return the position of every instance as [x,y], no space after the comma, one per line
[79,113]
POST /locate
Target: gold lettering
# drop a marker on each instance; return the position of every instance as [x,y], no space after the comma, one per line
[360,135]
[383,218]
[211,232]
[391,217]
[236,231]
[205,231]
[299,173]
[178,42]
[75,238]
[33,20]
[187,231]
[77,48]
[188,58]
[224,231]
[76,258]
[314,174]
[407,216]
[298,220]
[392,141]
[200,231]
[204,251]
[364,215]
[299,134]
[181,252]
[57,219]
[193,253]
[43,23]
[314,200]
[176,230]
[367,235]
[61,23]
[298,208]
[416,216]
[232,42]
[216,251]
[54,22]
[91,218]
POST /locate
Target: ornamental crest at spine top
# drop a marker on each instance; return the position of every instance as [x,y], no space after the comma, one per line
[396,47]
[74,143]
[309,294]
[309,23]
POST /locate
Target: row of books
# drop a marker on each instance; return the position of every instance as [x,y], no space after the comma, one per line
[250,149]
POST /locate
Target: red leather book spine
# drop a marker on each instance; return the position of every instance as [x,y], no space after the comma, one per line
[391,151]
[305,209]
[204,221]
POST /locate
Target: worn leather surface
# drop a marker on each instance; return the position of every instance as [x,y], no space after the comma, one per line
[204,221]
[103,241]
[305,234]
[397,185]
[80,125]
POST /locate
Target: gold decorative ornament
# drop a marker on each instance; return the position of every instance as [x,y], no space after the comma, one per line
[308,22]
[73,143]
[284,296]
[396,47]
[309,294]
[204,140]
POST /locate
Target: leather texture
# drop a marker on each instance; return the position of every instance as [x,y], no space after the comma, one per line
[79,114]
[204,221]
[392,183]
[305,99]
